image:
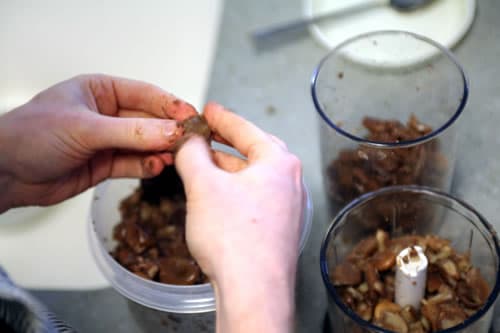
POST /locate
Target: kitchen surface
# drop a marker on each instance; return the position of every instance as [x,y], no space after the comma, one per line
[268,83]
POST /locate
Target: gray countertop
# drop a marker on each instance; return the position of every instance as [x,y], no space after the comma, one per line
[271,88]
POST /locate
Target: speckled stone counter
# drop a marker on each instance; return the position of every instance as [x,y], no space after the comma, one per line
[270,86]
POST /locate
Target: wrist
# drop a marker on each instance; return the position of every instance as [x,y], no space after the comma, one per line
[256,299]
[6,198]
[6,178]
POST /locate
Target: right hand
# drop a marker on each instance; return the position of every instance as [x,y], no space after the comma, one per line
[244,218]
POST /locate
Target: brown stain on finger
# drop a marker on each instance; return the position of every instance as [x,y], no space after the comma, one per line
[175,108]
[138,131]
[148,166]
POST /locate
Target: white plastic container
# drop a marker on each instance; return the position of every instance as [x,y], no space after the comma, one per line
[104,215]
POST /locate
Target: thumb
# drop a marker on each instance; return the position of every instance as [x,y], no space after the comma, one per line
[140,134]
[194,162]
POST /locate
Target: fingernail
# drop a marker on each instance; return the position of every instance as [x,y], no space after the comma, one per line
[148,166]
[181,141]
[171,128]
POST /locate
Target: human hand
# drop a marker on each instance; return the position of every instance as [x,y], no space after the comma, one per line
[244,221]
[82,131]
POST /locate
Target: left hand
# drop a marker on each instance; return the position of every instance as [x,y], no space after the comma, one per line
[79,132]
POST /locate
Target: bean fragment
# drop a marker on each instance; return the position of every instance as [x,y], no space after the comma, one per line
[384,260]
[151,235]
[365,281]
[362,169]
[196,125]
[346,274]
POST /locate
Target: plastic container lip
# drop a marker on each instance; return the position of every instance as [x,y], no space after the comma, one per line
[159,296]
[402,144]
[413,189]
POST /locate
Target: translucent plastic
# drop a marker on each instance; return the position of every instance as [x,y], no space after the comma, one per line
[406,210]
[388,75]
[105,215]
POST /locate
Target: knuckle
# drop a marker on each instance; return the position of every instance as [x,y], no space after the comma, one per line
[256,148]
[294,162]
[82,77]
[92,79]
[280,142]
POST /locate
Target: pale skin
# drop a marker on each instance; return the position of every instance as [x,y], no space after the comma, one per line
[253,212]
[243,215]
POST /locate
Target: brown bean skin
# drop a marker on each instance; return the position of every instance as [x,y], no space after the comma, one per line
[346,274]
[455,289]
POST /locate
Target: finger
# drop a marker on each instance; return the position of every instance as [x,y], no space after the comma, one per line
[134,114]
[135,166]
[112,164]
[193,162]
[166,157]
[220,139]
[247,138]
[137,134]
[112,94]
[228,162]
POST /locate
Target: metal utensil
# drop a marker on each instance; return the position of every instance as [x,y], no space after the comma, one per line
[401,5]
